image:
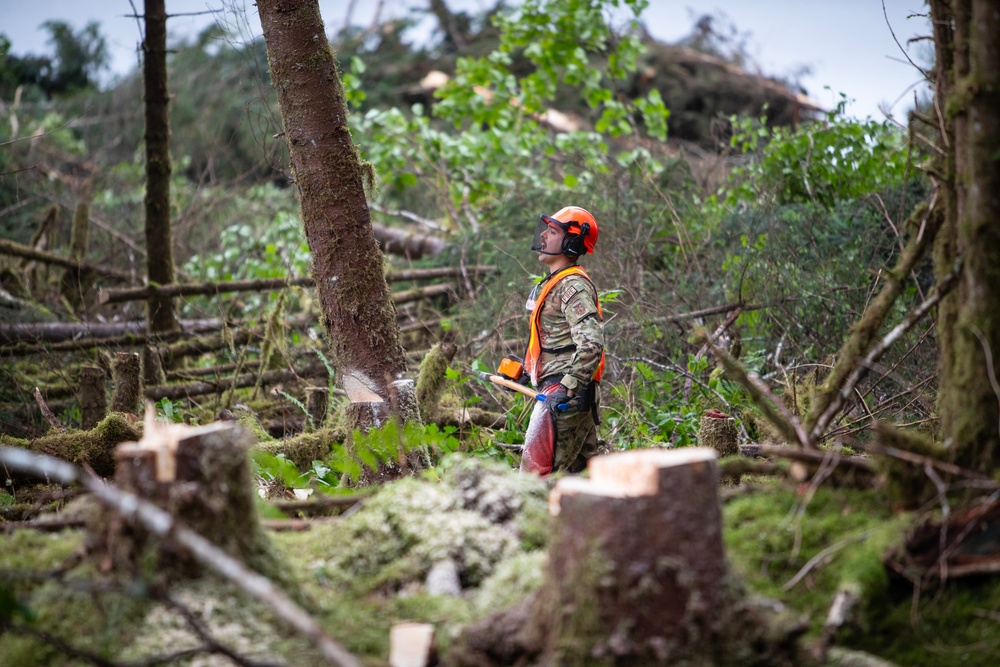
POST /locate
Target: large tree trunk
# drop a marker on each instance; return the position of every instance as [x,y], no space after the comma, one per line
[968,328]
[358,313]
[159,256]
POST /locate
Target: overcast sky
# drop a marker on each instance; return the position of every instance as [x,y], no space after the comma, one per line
[847,45]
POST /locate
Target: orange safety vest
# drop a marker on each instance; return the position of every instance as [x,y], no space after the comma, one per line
[535,349]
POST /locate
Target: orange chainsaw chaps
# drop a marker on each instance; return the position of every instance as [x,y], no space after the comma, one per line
[540,440]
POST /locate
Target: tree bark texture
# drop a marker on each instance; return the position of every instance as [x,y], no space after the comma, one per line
[968,326]
[202,477]
[93,399]
[636,557]
[159,247]
[126,373]
[358,313]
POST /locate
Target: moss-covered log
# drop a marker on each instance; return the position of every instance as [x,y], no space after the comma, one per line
[94,448]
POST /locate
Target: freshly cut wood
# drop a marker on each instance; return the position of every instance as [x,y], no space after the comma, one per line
[636,557]
[411,645]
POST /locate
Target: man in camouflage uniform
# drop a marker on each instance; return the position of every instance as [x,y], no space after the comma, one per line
[565,356]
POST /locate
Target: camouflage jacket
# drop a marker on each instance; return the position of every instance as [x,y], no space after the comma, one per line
[569,319]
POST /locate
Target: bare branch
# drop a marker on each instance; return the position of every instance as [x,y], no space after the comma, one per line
[861,368]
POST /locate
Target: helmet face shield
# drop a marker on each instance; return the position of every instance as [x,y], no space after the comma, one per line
[545,241]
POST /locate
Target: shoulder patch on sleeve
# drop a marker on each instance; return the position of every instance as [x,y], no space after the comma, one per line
[569,292]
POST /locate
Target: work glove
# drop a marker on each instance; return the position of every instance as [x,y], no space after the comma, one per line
[558,400]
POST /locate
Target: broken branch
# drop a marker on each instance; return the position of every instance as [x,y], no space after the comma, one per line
[160,523]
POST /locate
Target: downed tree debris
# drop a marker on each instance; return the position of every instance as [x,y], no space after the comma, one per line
[161,524]
[93,448]
[961,544]
[123,295]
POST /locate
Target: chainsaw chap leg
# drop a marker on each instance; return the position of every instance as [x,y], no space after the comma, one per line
[539,442]
[558,441]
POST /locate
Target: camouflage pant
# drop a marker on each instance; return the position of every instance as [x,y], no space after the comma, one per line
[559,440]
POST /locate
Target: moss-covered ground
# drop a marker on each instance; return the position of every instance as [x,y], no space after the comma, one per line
[373,567]
[772,535]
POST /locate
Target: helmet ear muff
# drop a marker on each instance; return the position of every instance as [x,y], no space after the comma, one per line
[573,243]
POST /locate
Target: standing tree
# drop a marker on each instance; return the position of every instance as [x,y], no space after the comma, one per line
[967,87]
[358,313]
[160,262]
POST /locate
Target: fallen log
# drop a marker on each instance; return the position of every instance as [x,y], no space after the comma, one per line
[20,250]
[108,296]
[203,387]
[412,246]
[93,448]
[61,331]
[319,505]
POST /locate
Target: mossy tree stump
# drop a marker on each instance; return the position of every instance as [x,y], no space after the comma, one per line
[637,567]
[126,375]
[201,475]
[719,433]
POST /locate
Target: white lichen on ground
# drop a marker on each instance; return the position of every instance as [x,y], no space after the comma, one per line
[476,516]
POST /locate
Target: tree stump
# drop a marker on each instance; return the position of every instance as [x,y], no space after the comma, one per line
[126,374]
[201,475]
[637,566]
[93,399]
[718,431]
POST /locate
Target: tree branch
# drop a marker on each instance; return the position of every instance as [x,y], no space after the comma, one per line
[161,523]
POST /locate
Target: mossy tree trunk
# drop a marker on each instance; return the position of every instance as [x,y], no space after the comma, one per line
[358,313]
[967,41]
[160,262]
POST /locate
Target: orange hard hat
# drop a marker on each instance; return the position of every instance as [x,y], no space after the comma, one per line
[580,226]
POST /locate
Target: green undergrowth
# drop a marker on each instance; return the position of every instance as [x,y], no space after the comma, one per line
[772,535]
